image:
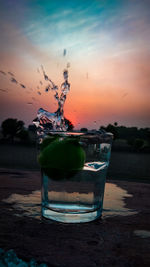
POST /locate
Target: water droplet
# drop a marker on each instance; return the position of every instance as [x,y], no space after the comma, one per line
[13,80]
[68,65]
[64,53]
[1,71]
[22,85]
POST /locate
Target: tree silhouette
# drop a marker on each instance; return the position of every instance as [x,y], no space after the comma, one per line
[84,130]
[69,124]
[23,135]
[32,128]
[110,128]
[11,127]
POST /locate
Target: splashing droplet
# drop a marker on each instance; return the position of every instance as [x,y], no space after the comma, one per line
[68,65]
[10,73]
[13,80]
[65,52]
[1,71]
[47,121]
[22,85]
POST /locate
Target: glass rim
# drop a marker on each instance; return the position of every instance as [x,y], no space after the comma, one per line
[92,136]
[77,132]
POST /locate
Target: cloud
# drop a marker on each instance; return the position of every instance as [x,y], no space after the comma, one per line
[17,45]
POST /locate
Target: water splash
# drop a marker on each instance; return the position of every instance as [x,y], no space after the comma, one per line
[65,87]
[47,121]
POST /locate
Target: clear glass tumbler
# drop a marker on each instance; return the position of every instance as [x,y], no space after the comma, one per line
[77,196]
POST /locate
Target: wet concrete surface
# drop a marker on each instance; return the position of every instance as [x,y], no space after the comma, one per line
[120,238]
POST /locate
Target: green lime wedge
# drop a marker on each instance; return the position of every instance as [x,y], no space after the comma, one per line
[62,158]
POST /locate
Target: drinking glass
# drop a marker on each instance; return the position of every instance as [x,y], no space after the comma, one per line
[77,196]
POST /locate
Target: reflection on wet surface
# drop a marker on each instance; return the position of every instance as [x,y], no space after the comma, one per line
[30,205]
[114,201]
[142,233]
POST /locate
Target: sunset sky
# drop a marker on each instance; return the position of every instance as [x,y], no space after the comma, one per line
[106,43]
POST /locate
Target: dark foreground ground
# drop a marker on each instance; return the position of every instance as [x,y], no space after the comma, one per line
[123,165]
[121,238]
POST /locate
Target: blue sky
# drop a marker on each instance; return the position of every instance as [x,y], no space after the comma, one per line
[77,25]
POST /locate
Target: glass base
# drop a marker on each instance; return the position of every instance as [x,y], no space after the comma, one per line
[73,217]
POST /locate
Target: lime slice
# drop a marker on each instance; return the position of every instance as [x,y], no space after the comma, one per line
[62,158]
